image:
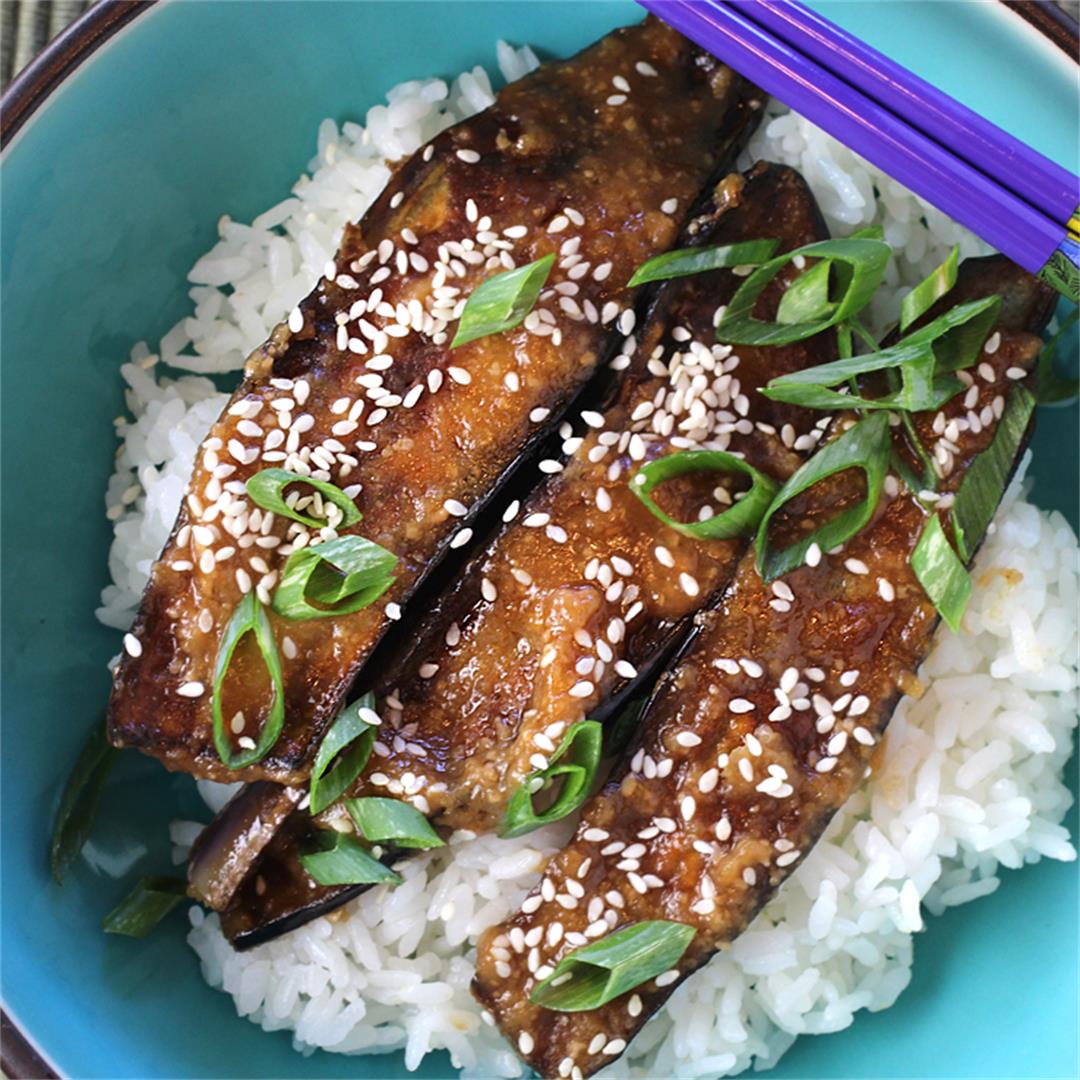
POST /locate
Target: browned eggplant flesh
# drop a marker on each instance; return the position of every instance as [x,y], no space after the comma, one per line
[758,734]
[361,388]
[582,587]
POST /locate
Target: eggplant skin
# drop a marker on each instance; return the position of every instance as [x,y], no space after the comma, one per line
[552,157]
[460,736]
[720,831]
[225,851]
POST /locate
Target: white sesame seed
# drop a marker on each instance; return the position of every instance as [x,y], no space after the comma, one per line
[885,590]
[470,157]
[689,584]
[667,978]
[461,538]
[993,342]
[740,705]
[132,645]
[856,566]
[581,689]
[191,690]
[688,738]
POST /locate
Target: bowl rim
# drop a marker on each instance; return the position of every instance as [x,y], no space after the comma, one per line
[20,1058]
[32,86]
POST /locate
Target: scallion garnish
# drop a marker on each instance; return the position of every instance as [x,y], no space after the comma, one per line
[502,302]
[79,801]
[687,261]
[343,860]
[864,446]
[806,299]
[348,745]
[575,760]
[982,487]
[249,617]
[741,517]
[859,266]
[941,573]
[924,358]
[391,821]
[931,289]
[267,490]
[598,973]
[145,906]
[1051,388]
[340,576]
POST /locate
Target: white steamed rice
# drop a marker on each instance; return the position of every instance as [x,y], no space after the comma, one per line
[970,778]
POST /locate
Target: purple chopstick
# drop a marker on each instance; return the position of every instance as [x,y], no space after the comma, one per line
[1035,178]
[1008,223]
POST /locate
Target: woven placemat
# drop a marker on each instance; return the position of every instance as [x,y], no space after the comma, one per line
[27,26]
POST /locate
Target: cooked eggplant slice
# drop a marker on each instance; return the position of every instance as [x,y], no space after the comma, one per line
[759,733]
[361,388]
[585,589]
[225,851]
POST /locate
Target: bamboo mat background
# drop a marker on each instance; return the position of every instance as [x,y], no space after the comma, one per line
[26,26]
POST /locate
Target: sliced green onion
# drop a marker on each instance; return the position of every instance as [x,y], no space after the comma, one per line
[860,268]
[348,744]
[575,760]
[392,821]
[341,576]
[502,302]
[267,490]
[79,802]
[1051,388]
[868,232]
[941,573]
[865,446]
[951,341]
[608,968]
[145,906]
[249,617]
[982,487]
[343,860]
[930,290]
[739,518]
[687,261]
[806,299]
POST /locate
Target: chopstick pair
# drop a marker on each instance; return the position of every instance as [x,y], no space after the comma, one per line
[1019,201]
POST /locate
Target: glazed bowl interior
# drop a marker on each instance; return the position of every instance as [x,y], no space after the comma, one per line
[111,190]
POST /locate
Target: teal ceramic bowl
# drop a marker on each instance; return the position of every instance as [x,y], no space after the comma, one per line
[111,189]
